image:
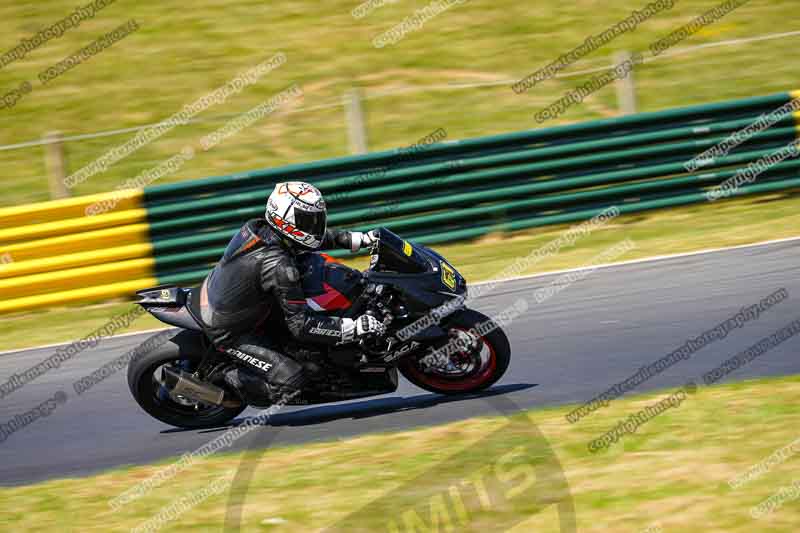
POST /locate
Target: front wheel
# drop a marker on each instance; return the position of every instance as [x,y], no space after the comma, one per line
[476,356]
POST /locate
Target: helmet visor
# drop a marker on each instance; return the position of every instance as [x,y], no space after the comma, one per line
[310,222]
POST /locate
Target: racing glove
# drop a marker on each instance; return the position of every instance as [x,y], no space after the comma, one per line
[360,240]
[360,327]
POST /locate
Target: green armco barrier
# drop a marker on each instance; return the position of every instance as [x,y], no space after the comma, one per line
[464,189]
[551,166]
[209,246]
[619,124]
[555,151]
[544,186]
[560,200]
[582,163]
[162,227]
[215,243]
[673,201]
[164,219]
[196,274]
[184,278]
[328,185]
[550,152]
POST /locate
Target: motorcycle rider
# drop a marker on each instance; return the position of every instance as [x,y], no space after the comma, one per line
[257,283]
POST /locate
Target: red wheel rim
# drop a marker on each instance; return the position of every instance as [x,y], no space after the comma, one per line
[456,385]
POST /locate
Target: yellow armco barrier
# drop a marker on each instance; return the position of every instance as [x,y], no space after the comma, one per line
[72,225]
[796,114]
[79,242]
[75,278]
[53,299]
[74,250]
[24,215]
[80,259]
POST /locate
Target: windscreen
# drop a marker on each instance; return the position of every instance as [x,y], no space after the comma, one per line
[397,255]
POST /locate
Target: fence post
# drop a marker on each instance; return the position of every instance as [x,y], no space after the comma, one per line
[356,129]
[56,164]
[626,87]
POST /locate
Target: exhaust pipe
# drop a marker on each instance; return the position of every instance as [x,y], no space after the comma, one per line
[182,383]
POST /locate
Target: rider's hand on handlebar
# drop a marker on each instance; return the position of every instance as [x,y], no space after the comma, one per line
[361,328]
[363,240]
[367,325]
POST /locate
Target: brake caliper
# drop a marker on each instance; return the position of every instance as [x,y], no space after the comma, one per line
[461,345]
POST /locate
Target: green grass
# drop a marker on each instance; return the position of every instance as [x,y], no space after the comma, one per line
[673,472]
[670,231]
[663,232]
[64,324]
[181,53]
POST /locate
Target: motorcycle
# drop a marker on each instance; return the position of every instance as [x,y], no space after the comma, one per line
[432,339]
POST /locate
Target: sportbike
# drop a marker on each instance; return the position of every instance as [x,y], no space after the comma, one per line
[431,338]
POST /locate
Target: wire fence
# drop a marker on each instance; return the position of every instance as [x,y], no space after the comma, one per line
[410,90]
[81,144]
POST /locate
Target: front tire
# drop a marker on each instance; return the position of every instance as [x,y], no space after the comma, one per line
[481,370]
[184,351]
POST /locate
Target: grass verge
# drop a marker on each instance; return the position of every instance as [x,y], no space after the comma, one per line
[672,472]
[412,88]
[670,231]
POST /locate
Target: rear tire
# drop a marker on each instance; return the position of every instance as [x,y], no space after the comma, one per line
[499,357]
[185,347]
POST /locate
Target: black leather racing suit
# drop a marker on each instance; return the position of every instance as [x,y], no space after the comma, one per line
[256,285]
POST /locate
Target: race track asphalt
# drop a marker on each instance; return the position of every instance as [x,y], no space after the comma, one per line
[594,333]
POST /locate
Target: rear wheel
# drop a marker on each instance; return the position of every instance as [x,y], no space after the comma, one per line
[477,357]
[145,380]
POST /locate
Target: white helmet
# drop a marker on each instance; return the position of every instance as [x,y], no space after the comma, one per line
[297,211]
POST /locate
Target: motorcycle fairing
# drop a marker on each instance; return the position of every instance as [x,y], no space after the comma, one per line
[330,300]
[328,286]
[168,304]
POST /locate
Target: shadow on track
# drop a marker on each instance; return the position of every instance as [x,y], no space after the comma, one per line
[364,409]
